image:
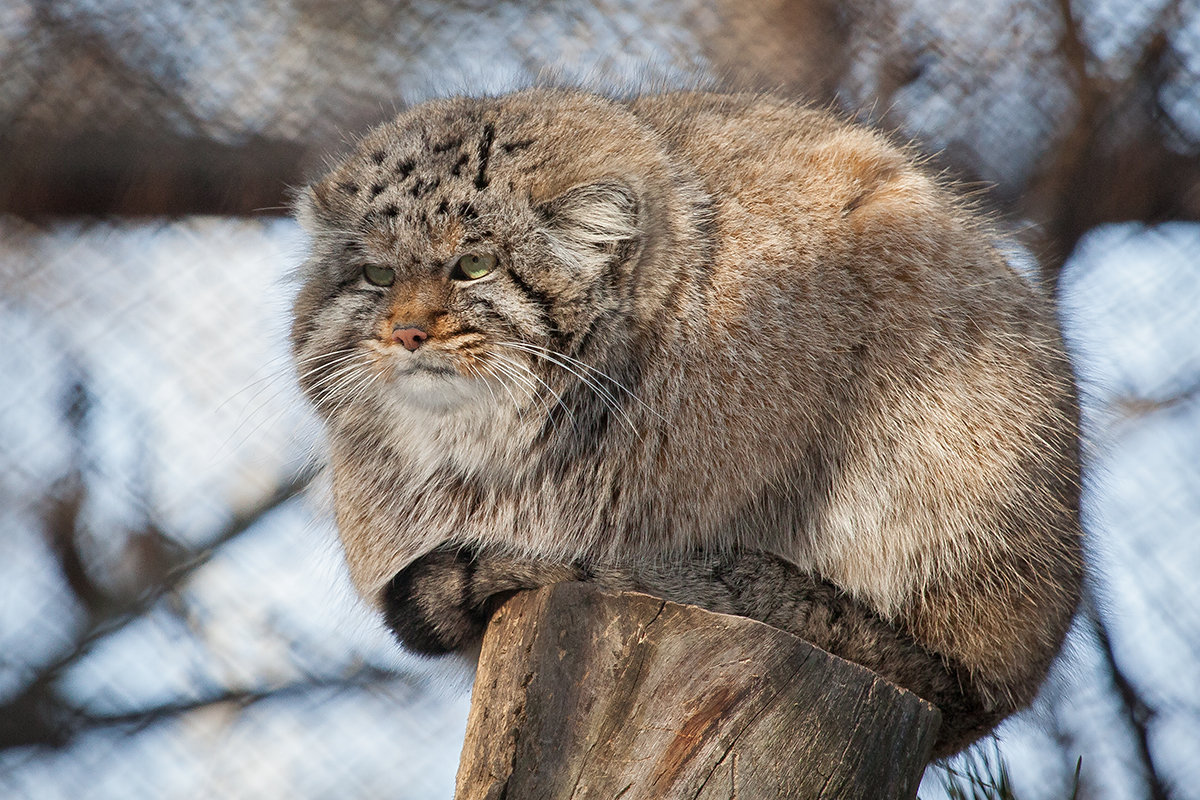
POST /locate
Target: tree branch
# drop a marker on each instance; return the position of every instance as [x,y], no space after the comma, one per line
[1137,711]
[242,698]
[37,713]
[73,720]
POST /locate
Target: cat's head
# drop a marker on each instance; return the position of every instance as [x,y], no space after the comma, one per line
[469,244]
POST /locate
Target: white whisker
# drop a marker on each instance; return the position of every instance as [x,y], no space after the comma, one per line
[279,389]
[338,374]
[346,378]
[599,391]
[557,397]
[478,375]
[503,385]
[338,357]
[593,370]
[355,393]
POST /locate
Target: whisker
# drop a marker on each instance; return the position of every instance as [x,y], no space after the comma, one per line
[483,379]
[325,354]
[340,372]
[522,410]
[268,365]
[503,385]
[356,393]
[550,355]
[599,391]
[277,384]
[240,434]
[336,383]
[278,387]
[336,357]
[346,378]
[557,397]
[272,374]
[594,370]
[510,369]
[518,373]
[341,359]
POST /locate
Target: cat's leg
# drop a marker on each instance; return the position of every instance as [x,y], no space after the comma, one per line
[764,587]
[443,600]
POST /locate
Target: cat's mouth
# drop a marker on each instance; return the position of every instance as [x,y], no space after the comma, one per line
[427,374]
[431,381]
[432,368]
[427,361]
[431,378]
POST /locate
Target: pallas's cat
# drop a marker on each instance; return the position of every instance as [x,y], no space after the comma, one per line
[723,349]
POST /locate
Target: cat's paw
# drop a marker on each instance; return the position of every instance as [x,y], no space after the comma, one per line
[443,600]
[430,605]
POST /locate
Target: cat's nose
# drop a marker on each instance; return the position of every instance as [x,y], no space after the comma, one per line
[408,335]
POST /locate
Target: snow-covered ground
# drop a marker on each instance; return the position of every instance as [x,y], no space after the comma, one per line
[176,333]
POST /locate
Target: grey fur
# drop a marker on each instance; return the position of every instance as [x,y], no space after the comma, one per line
[736,353]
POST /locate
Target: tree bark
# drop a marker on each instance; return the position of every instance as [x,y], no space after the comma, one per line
[585,694]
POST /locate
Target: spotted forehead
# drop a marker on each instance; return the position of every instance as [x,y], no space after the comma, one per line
[429,182]
[416,167]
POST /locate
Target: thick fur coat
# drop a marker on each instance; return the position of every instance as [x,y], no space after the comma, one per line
[726,349]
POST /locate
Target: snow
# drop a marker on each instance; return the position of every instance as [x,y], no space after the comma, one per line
[178,331]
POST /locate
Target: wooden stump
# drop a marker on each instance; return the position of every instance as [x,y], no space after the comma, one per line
[585,694]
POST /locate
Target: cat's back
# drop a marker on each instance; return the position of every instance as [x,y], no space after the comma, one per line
[813,203]
[826,227]
[759,149]
[899,323]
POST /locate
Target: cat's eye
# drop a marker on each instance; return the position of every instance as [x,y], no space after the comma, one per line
[473,266]
[380,276]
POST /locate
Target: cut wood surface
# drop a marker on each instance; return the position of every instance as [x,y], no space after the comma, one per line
[585,694]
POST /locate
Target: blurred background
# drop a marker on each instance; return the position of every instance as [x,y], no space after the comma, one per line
[175,620]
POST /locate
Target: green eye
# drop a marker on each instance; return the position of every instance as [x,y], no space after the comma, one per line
[380,276]
[473,266]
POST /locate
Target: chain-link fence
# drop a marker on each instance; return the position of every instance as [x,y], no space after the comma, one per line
[174,616]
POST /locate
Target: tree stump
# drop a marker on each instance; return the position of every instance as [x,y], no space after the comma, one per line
[585,694]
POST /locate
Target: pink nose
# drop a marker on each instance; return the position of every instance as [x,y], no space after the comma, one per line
[410,337]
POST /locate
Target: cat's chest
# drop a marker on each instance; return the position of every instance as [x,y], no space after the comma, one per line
[415,455]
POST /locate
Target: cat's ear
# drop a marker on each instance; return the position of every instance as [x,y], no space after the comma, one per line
[313,207]
[586,224]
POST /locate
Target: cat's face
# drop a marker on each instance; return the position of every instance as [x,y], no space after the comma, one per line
[444,277]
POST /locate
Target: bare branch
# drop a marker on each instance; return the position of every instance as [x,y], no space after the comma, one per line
[60,525]
[184,566]
[1134,406]
[362,677]
[63,504]
[1137,712]
[38,714]
[71,720]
